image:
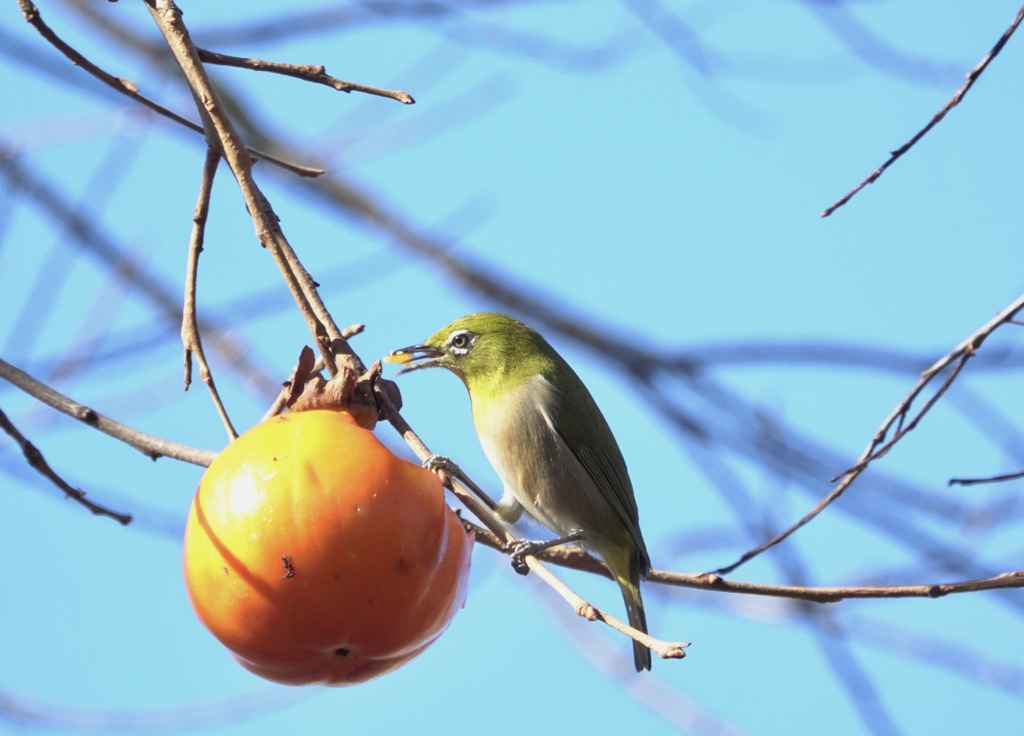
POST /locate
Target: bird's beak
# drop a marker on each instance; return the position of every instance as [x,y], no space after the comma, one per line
[414,357]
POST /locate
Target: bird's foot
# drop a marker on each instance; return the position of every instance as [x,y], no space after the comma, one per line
[446,468]
[442,464]
[522,548]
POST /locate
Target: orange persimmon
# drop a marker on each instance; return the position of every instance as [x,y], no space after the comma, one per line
[315,555]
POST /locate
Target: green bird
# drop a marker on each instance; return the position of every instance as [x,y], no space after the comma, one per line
[548,442]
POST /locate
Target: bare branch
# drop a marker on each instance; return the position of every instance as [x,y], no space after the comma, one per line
[664,649]
[972,77]
[307,72]
[36,460]
[127,269]
[150,446]
[576,559]
[220,128]
[129,88]
[352,330]
[992,479]
[712,581]
[878,446]
[190,336]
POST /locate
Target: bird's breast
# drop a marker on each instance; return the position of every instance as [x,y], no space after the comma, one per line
[521,441]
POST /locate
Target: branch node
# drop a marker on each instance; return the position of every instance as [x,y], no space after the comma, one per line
[87,415]
[711,579]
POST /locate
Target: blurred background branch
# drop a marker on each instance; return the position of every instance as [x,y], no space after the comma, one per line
[641,181]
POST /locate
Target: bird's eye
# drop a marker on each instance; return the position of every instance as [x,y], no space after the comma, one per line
[460,340]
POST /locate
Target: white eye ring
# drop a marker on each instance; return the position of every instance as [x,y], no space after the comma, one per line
[461,341]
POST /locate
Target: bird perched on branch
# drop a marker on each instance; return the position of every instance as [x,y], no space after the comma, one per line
[548,442]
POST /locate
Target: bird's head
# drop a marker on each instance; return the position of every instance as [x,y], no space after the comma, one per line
[479,348]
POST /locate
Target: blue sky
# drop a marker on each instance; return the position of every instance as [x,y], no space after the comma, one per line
[666,190]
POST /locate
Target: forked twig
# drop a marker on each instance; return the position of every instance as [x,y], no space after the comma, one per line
[308,72]
[896,422]
[129,88]
[220,131]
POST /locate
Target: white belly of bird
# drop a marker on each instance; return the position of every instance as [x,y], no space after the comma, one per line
[536,466]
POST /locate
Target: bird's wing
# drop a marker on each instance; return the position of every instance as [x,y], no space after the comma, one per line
[592,443]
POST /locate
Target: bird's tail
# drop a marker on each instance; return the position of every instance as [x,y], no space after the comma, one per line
[630,586]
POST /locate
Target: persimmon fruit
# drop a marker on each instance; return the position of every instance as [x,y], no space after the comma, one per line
[315,555]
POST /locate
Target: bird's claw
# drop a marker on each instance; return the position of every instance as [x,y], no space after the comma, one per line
[522,548]
[442,464]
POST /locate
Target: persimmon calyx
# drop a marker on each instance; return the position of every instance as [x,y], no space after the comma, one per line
[347,391]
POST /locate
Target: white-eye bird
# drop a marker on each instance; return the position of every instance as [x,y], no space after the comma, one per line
[548,442]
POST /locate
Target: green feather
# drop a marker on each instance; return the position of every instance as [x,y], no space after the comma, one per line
[591,440]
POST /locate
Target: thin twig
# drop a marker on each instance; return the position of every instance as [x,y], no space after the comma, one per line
[129,88]
[664,649]
[308,72]
[972,77]
[899,416]
[478,503]
[268,231]
[352,330]
[712,581]
[84,233]
[150,446]
[277,406]
[991,479]
[36,460]
[575,558]
[190,336]
[878,446]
